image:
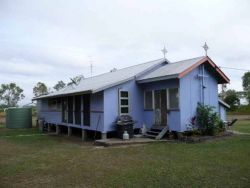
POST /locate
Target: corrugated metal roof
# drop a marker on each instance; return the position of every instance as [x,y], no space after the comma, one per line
[106,80]
[170,70]
[223,103]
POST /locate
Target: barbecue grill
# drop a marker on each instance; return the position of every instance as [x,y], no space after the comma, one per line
[125,123]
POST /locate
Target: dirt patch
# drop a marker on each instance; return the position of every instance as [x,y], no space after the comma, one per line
[2,120]
[239,117]
[237,132]
[197,139]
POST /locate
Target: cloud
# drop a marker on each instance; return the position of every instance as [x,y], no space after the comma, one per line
[53,40]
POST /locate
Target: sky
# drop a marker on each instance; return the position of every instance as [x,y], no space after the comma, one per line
[48,41]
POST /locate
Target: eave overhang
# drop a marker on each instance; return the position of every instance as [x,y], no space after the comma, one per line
[223,78]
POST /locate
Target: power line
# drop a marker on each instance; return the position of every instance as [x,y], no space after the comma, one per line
[234,68]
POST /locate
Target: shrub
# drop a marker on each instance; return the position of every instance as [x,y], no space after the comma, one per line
[208,121]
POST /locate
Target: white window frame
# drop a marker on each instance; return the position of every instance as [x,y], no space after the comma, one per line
[153,100]
[123,106]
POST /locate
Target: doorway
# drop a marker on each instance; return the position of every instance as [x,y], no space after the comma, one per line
[160,110]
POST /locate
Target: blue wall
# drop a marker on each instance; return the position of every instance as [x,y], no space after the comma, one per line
[52,116]
[190,94]
[136,102]
[222,113]
[111,104]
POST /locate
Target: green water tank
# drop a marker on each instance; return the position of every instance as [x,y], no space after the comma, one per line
[18,118]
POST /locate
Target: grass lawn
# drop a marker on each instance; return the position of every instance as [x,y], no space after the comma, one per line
[41,160]
[2,125]
[242,126]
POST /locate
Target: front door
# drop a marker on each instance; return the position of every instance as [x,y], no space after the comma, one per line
[160,98]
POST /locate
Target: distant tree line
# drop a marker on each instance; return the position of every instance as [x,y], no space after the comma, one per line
[41,88]
[11,94]
[232,97]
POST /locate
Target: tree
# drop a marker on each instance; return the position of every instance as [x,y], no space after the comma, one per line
[40,89]
[232,99]
[60,85]
[223,91]
[10,94]
[246,85]
[208,121]
[76,80]
[247,95]
[246,81]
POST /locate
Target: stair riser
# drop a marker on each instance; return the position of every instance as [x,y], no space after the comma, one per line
[152,133]
[155,130]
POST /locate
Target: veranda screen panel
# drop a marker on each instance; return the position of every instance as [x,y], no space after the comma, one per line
[64,110]
[52,104]
[78,109]
[86,109]
[70,109]
[59,104]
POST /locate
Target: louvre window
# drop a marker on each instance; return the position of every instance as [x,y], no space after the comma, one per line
[173,98]
[123,102]
[148,100]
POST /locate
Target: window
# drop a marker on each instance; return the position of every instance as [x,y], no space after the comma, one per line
[58,103]
[173,98]
[54,104]
[148,100]
[124,94]
[123,102]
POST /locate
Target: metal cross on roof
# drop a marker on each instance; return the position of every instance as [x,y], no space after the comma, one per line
[205,46]
[164,51]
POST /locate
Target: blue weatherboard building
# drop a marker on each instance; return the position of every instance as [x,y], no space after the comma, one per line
[156,93]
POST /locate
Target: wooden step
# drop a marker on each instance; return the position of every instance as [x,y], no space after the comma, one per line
[153,132]
[162,133]
[156,133]
[158,127]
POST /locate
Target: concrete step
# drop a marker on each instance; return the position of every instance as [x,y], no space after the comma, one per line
[150,135]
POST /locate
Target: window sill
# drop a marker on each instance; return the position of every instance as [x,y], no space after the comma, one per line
[173,109]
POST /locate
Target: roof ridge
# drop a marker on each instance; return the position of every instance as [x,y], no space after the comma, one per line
[126,68]
[189,59]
